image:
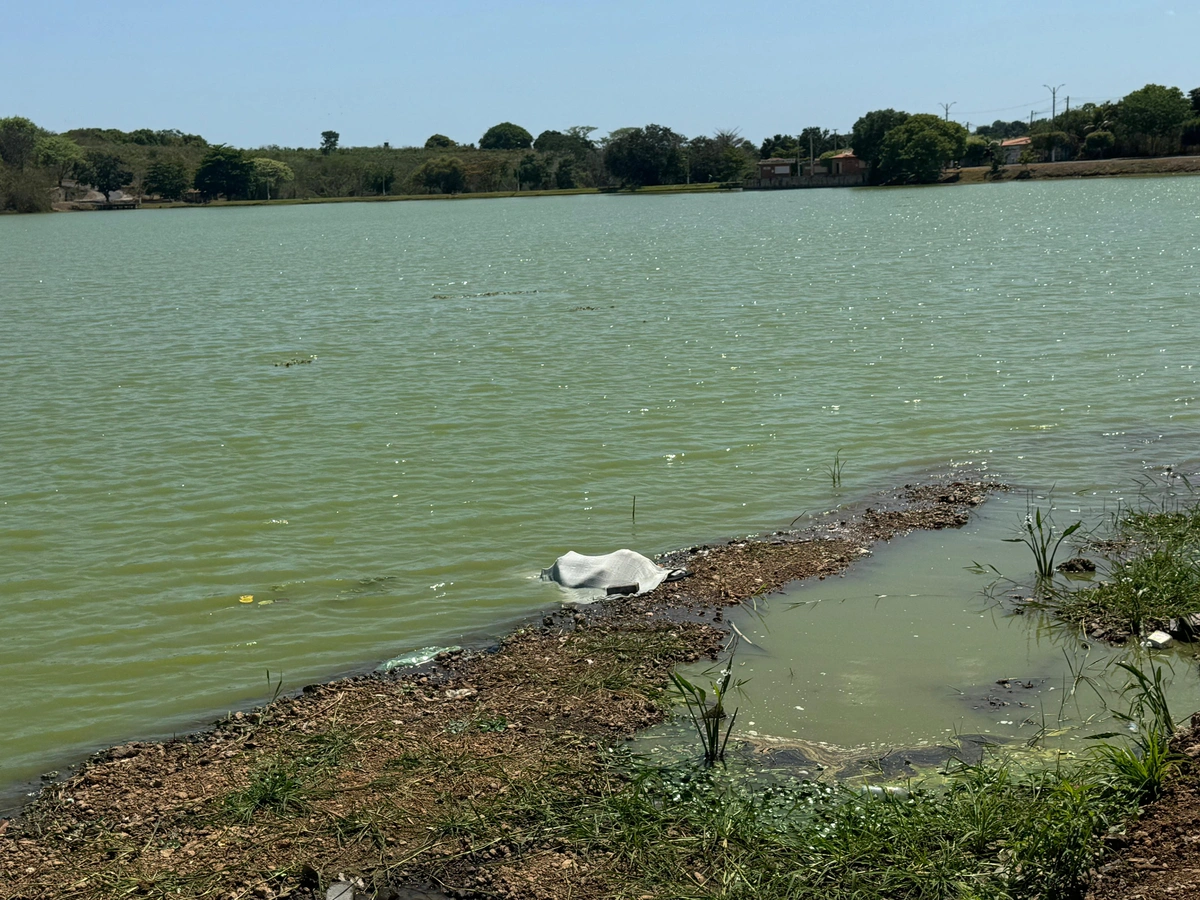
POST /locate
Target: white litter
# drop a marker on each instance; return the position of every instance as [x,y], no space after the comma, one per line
[1158,640]
[621,567]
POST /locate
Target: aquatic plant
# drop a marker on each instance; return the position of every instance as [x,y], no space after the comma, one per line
[1140,771]
[834,469]
[1039,536]
[707,717]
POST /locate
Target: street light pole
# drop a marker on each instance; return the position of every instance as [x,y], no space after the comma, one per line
[1053,117]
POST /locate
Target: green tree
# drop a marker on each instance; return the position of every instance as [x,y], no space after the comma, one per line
[105,172]
[444,174]
[531,171]
[1194,96]
[329,141]
[916,151]
[978,152]
[267,174]
[564,174]
[1098,143]
[779,146]
[167,178]
[439,142]
[59,154]
[868,135]
[645,156]
[224,170]
[1153,117]
[1049,141]
[18,141]
[506,136]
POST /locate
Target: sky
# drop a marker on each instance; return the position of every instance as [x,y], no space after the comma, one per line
[254,74]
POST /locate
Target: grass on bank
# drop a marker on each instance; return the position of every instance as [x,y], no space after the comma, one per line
[687,831]
[1152,577]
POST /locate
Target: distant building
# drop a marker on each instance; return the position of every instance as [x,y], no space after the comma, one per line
[769,169]
[846,163]
[1014,147]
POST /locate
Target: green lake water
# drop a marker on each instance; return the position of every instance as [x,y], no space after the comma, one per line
[485,385]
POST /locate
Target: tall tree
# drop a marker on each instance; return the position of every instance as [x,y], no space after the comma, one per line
[1155,114]
[439,142]
[506,136]
[267,174]
[329,141]
[868,135]
[224,170]
[1194,96]
[445,174]
[646,156]
[167,178]
[916,151]
[18,140]
[106,172]
[59,154]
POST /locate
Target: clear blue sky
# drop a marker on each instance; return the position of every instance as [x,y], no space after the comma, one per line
[255,73]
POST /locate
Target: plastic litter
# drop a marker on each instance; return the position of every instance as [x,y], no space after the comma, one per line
[618,569]
[1158,640]
[415,658]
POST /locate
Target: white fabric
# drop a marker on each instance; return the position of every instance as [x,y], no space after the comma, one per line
[574,570]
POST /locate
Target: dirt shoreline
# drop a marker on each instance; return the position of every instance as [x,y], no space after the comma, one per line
[373,763]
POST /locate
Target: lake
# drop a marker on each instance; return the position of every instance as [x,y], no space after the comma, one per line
[380,421]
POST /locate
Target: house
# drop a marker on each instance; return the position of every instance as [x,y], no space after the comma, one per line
[776,167]
[1014,147]
[846,163]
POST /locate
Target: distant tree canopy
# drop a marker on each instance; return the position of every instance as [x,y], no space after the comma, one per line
[439,142]
[267,174]
[18,140]
[506,136]
[916,151]
[106,172]
[59,154]
[1156,114]
[224,171]
[444,174]
[329,141]
[645,156]
[169,137]
[868,135]
[726,156]
[574,141]
[1002,131]
[167,178]
[779,146]
[1098,143]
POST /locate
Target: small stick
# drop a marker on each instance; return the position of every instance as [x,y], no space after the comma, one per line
[633,515]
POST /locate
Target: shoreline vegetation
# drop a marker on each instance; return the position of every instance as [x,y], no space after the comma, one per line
[505,771]
[1107,168]
[110,169]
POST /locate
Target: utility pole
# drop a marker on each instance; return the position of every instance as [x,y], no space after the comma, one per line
[946,108]
[1053,116]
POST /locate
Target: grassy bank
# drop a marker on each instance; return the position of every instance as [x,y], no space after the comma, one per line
[1148,577]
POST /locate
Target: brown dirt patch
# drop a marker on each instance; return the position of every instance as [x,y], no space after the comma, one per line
[1082,168]
[1160,858]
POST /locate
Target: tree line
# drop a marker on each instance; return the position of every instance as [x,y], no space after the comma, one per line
[898,148]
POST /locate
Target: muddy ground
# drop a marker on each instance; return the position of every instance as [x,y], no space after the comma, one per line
[436,782]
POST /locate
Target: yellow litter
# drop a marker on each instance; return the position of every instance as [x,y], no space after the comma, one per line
[246,598]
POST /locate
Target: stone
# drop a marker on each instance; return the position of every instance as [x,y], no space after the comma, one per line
[340,890]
